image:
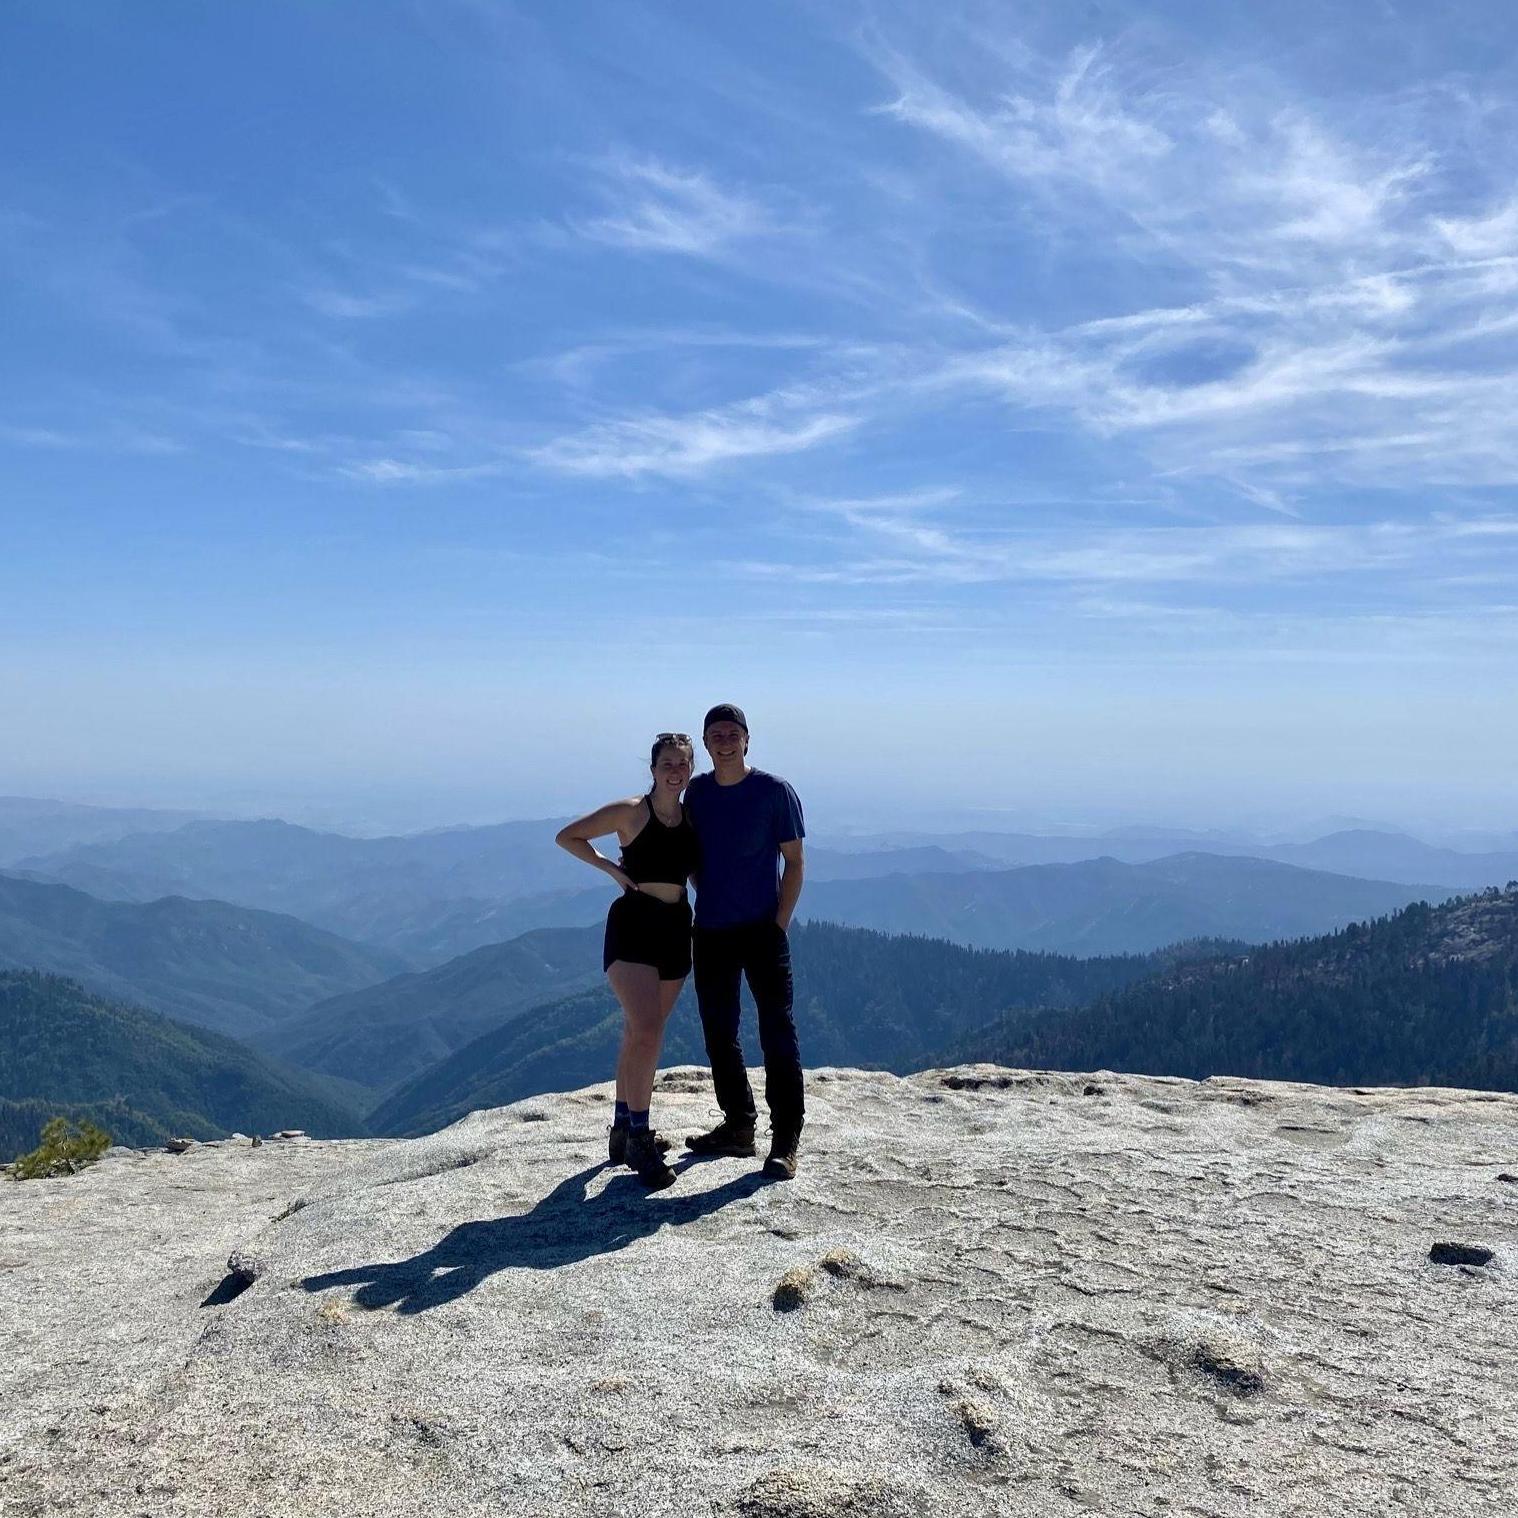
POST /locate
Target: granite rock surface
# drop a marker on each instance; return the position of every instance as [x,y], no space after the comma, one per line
[987,1292]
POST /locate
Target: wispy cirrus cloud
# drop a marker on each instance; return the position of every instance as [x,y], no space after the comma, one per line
[686,445]
[1344,325]
[1492,235]
[647,206]
[578,363]
[903,546]
[118,437]
[902,519]
[1343,311]
[40,437]
[655,207]
[391,471]
[1209,167]
[349,305]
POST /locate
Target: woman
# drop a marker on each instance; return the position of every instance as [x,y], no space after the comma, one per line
[647,953]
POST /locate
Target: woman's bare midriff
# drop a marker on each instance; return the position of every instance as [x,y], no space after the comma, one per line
[662,890]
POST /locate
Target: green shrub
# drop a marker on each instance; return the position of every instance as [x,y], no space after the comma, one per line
[66,1147]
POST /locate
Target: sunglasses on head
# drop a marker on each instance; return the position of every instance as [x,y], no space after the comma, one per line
[668,737]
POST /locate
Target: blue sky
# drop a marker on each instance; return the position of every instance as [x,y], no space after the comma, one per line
[1073,409]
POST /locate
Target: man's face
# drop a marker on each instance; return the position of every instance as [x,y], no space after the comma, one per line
[726,741]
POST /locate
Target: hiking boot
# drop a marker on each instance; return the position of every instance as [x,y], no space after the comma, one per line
[728,1137]
[616,1144]
[644,1157]
[784,1156]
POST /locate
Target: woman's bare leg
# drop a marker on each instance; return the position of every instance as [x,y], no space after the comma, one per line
[646,1004]
[669,994]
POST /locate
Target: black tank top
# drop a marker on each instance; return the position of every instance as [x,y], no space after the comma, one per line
[661,854]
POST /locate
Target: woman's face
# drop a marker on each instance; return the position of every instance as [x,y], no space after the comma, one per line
[672,768]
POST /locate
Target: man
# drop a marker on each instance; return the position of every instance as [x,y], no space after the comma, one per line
[749,828]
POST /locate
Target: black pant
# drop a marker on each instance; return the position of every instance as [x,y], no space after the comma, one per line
[762,952]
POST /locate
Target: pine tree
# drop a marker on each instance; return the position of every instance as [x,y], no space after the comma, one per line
[66,1148]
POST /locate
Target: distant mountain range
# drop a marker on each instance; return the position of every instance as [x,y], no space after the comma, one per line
[1367,852]
[202,962]
[141,1076]
[390,891]
[30,825]
[864,999]
[1393,856]
[1103,906]
[1428,996]
[434,896]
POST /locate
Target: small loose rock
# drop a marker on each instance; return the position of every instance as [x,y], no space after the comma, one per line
[843,1263]
[1460,1254]
[245,1265]
[795,1288]
[799,1284]
[808,1492]
[977,1420]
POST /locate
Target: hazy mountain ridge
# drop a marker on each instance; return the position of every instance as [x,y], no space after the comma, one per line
[352,886]
[1104,906]
[1428,995]
[1367,852]
[70,1051]
[218,966]
[436,895]
[36,825]
[437,932]
[431,896]
[1397,857]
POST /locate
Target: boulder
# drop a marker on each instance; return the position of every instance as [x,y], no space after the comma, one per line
[1009,1298]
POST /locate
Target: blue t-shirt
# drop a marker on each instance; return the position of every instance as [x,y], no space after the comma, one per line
[740,829]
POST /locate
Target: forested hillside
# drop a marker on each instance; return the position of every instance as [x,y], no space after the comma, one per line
[862,999]
[230,968]
[1426,996]
[65,1050]
[388,1033]
[22,1122]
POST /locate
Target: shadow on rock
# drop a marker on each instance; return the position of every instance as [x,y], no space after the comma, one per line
[565,1226]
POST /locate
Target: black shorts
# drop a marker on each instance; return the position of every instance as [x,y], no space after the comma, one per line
[646,931]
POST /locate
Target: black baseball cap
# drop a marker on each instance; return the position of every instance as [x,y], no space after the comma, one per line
[725,712]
